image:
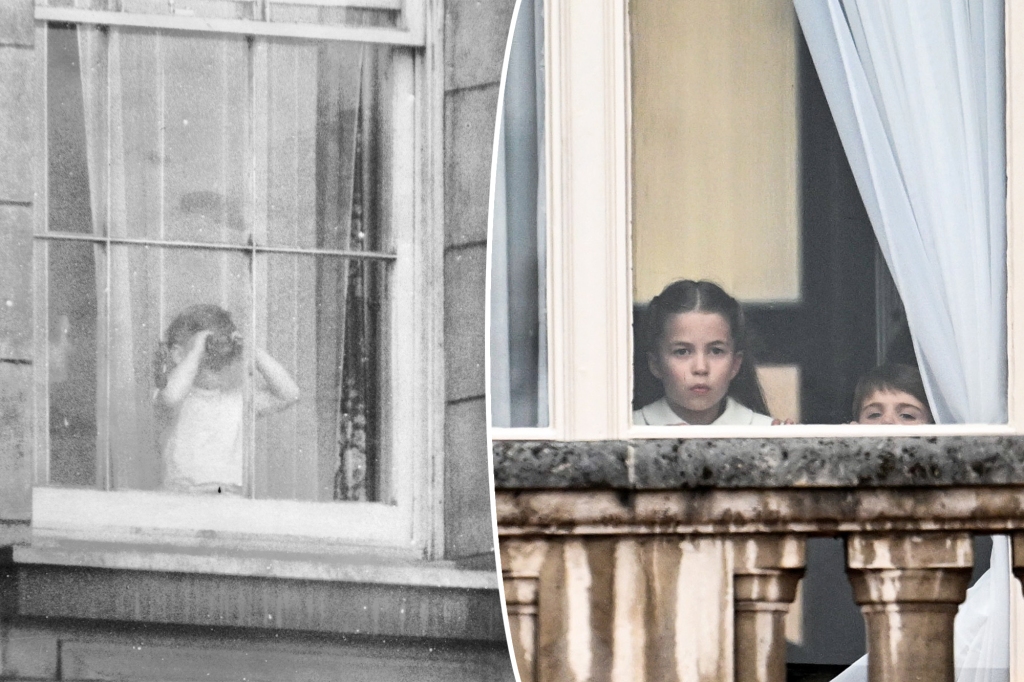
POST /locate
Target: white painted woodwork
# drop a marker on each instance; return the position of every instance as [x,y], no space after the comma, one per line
[412,33]
[588,209]
[339,567]
[589,268]
[409,522]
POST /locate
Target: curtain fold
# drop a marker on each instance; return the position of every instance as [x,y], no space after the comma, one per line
[917,94]
[126,453]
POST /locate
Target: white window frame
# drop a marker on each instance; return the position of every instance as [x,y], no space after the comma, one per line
[590,259]
[411,31]
[412,526]
[589,267]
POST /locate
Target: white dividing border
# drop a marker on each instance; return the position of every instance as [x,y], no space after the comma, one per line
[491,431]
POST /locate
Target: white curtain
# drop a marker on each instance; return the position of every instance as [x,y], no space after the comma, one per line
[124,420]
[518,239]
[917,93]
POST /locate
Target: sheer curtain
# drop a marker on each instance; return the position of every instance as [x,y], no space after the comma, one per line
[518,239]
[917,93]
[169,125]
[124,418]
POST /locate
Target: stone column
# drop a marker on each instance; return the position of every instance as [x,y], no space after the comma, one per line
[521,561]
[767,571]
[1017,555]
[909,586]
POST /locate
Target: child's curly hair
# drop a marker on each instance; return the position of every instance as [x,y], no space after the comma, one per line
[222,348]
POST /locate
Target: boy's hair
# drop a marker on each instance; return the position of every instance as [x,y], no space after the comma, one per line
[889,377]
[222,347]
[684,296]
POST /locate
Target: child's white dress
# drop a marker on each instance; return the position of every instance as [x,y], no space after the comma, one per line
[201,442]
[659,413]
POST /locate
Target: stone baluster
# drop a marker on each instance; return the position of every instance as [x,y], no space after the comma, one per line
[767,571]
[1017,556]
[521,562]
[909,586]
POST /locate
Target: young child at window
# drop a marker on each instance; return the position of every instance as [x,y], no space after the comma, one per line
[201,404]
[695,340]
[891,394]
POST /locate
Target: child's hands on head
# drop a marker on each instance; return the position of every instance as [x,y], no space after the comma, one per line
[197,344]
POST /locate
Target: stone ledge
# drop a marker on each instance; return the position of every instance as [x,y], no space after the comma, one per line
[801,511]
[194,599]
[935,461]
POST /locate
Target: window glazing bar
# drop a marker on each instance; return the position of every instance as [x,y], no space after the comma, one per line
[218,246]
[361,34]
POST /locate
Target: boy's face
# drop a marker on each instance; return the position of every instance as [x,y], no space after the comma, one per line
[893,407]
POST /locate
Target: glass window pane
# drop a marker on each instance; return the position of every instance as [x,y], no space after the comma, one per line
[277,143]
[739,178]
[69,205]
[519,237]
[326,140]
[72,353]
[177,403]
[320,319]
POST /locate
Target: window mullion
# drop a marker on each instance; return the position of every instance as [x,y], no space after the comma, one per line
[41,270]
[588,209]
[259,151]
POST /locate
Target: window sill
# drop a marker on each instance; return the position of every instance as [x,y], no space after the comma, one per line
[357,595]
[352,568]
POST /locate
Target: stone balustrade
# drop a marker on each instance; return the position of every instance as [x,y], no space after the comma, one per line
[678,560]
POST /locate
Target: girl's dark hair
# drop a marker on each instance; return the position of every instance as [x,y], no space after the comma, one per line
[685,296]
[889,377]
[222,348]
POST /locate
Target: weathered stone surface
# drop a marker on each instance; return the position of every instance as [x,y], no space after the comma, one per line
[467,495]
[17,143]
[15,442]
[761,463]
[725,511]
[469,146]
[464,294]
[15,283]
[17,22]
[553,464]
[476,32]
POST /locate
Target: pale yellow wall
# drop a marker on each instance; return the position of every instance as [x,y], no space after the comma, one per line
[781,387]
[715,150]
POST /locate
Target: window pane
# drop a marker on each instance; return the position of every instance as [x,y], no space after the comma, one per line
[204,139]
[72,360]
[198,436]
[216,139]
[320,319]
[326,139]
[739,177]
[519,237]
